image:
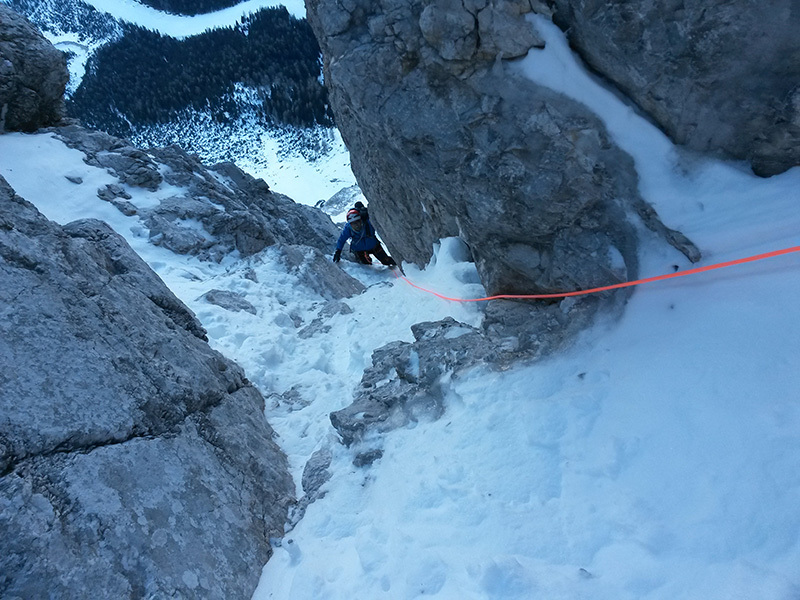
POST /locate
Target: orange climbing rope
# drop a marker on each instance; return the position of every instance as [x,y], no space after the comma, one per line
[616,286]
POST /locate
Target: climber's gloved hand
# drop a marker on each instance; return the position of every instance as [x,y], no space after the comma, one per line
[337,256]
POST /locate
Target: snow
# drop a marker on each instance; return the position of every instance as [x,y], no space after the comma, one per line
[277,156]
[180,26]
[304,181]
[81,51]
[658,458]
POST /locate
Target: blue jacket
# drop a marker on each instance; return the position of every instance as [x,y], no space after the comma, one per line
[359,240]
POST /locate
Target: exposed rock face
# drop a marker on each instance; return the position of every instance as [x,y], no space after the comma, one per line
[134,460]
[717,76]
[236,211]
[33,76]
[446,141]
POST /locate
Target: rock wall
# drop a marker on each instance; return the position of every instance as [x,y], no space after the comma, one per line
[134,460]
[446,141]
[719,77]
[33,76]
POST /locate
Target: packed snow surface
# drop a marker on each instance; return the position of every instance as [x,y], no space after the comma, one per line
[658,458]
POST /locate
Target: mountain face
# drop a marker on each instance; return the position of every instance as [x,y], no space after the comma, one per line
[190,7]
[446,139]
[267,64]
[238,212]
[718,77]
[33,76]
[134,460]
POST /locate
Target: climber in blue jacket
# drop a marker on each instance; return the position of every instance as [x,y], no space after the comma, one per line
[363,239]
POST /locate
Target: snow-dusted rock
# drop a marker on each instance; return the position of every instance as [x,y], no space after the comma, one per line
[132,165]
[134,460]
[317,272]
[720,77]
[213,211]
[33,76]
[342,200]
[408,382]
[404,383]
[229,301]
[446,139]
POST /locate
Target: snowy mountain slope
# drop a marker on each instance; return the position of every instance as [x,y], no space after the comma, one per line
[658,458]
[308,164]
[80,28]
[66,15]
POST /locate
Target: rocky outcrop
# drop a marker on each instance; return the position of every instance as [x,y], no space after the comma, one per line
[408,382]
[315,271]
[235,211]
[446,140]
[33,76]
[135,461]
[719,77]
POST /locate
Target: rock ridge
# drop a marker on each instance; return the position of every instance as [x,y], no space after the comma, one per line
[237,211]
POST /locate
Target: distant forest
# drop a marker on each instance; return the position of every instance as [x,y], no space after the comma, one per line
[62,16]
[189,7]
[145,77]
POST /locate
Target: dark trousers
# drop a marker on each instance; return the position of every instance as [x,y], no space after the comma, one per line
[363,256]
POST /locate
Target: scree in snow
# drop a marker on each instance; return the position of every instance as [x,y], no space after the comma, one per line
[658,458]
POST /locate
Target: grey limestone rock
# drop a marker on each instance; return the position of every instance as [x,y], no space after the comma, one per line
[447,140]
[135,461]
[214,211]
[720,77]
[229,301]
[316,472]
[113,191]
[33,76]
[404,383]
[133,166]
[365,459]
[317,272]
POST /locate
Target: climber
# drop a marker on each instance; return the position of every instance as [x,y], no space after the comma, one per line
[363,239]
